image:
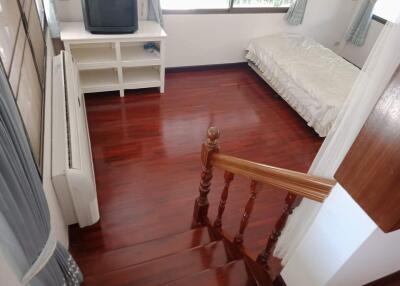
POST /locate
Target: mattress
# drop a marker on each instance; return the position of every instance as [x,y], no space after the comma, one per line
[311,78]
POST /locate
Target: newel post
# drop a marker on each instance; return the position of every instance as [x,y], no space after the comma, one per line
[201,205]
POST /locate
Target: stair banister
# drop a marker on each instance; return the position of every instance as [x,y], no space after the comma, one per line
[297,184]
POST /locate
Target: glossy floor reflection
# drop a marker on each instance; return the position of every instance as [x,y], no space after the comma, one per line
[146,150]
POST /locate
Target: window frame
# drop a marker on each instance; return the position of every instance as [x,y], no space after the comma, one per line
[230,10]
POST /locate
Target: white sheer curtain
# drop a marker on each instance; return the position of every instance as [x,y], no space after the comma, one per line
[378,70]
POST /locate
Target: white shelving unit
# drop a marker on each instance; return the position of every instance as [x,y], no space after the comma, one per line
[118,61]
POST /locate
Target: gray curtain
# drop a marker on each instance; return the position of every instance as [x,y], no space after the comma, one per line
[155,12]
[26,240]
[358,30]
[296,12]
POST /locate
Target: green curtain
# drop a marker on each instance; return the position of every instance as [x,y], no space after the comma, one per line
[296,12]
[155,12]
[357,34]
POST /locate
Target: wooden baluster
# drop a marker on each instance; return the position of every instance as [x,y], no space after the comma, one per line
[247,212]
[228,176]
[290,201]
[209,147]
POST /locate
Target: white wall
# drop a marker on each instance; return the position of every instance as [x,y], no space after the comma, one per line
[379,256]
[343,247]
[215,38]
[222,38]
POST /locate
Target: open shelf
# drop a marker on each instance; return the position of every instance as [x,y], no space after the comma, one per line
[94,56]
[141,77]
[115,62]
[99,80]
[134,54]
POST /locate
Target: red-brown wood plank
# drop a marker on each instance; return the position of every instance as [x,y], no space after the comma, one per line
[143,252]
[232,274]
[166,269]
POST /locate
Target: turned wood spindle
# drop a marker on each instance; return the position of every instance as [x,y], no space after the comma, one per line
[228,176]
[247,212]
[209,148]
[276,233]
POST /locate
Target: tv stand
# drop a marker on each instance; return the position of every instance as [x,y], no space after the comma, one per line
[108,62]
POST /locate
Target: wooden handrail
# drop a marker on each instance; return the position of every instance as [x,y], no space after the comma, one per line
[304,185]
[297,184]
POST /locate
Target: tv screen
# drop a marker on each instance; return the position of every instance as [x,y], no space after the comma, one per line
[110,16]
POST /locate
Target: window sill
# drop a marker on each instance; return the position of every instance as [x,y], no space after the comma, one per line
[228,11]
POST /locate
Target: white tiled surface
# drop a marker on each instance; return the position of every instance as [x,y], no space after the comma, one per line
[37,39]
[15,71]
[30,102]
[9,19]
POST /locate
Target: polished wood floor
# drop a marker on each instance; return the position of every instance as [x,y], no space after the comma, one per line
[146,150]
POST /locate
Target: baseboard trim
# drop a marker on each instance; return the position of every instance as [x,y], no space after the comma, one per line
[206,67]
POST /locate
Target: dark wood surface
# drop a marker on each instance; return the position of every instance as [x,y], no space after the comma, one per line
[248,210]
[143,252]
[265,255]
[166,269]
[371,170]
[228,177]
[390,280]
[233,274]
[146,150]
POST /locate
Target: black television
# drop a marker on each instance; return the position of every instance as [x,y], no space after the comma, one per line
[110,16]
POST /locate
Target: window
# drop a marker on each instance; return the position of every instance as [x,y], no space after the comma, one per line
[225,5]
[387,9]
[194,4]
[262,3]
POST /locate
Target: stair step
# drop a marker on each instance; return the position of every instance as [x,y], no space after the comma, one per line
[143,252]
[165,269]
[231,274]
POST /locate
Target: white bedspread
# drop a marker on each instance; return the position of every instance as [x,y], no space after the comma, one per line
[311,78]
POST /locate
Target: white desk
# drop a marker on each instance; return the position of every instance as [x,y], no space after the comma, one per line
[116,61]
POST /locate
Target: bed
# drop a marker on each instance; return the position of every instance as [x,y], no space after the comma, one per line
[312,79]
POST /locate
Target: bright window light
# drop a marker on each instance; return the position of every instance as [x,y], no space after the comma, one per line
[262,3]
[387,9]
[194,4]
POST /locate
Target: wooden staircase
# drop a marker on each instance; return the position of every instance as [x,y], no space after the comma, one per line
[207,254]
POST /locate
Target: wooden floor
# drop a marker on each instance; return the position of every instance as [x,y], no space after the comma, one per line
[146,150]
